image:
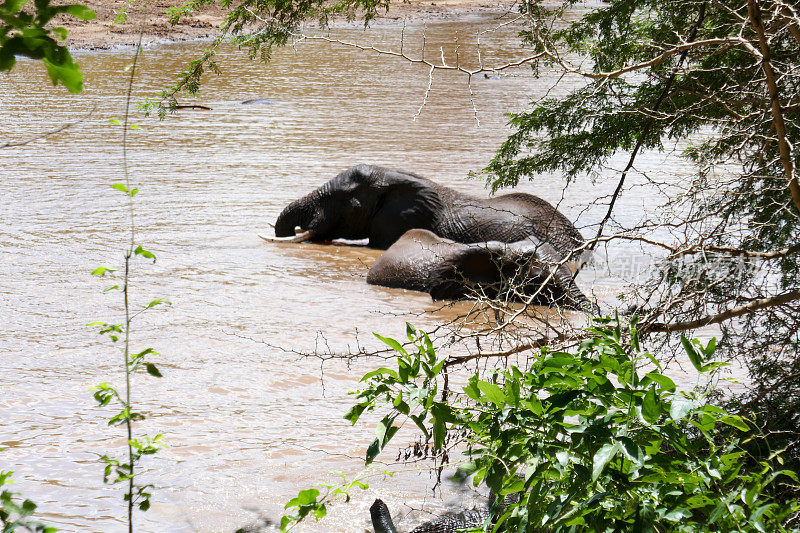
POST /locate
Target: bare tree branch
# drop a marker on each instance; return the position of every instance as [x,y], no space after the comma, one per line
[54,131]
[781,299]
[774,93]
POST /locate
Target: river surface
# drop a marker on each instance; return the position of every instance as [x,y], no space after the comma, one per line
[248,420]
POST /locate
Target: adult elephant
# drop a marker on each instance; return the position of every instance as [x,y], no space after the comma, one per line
[379,204]
[421,260]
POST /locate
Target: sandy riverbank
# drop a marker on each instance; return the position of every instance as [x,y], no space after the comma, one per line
[103,33]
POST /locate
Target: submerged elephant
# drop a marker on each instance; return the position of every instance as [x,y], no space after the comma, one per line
[447,523]
[450,523]
[375,203]
[423,261]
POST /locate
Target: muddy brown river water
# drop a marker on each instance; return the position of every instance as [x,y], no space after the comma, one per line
[248,423]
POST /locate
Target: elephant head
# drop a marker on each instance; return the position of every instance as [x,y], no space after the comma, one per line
[363,202]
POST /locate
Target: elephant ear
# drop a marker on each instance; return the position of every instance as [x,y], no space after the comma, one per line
[406,202]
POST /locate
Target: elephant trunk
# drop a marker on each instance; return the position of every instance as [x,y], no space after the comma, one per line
[311,213]
[294,215]
[381,519]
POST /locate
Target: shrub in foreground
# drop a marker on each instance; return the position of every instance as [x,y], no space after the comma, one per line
[595,439]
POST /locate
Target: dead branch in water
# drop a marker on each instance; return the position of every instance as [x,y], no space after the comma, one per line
[42,135]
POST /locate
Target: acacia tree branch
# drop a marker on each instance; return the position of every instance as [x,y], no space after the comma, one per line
[784,147]
[783,252]
[781,299]
[401,54]
[791,18]
[421,60]
[646,129]
[682,49]
[703,248]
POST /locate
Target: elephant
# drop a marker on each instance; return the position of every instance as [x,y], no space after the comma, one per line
[379,204]
[528,269]
[447,523]
[259,101]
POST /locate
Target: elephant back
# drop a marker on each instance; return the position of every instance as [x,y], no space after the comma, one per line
[544,221]
[511,218]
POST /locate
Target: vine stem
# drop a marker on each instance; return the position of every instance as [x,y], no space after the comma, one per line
[128,422]
[128,254]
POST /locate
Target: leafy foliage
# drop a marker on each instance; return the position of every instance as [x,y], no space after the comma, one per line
[311,501]
[722,77]
[25,32]
[595,440]
[124,470]
[14,515]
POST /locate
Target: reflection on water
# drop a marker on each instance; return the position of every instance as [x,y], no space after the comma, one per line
[249,421]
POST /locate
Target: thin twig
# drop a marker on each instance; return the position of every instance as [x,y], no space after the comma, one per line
[59,129]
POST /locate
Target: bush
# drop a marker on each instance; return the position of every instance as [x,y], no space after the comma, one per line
[591,440]
[15,515]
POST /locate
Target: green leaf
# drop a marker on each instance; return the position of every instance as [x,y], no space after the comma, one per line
[153,370]
[602,457]
[119,187]
[472,389]
[401,406]
[384,431]
[60,33]
[735,421]
[12,6]
[392,344]
[492,392]
[27,508]
[379,372]
[99,271]
[65,71]
[558,361]
[694,357]
[681,407]
[157,301]
[419,420]
[665,382]
[372,451]
[304,497]
[355,412]
[439,432]
[710,348]
[80,12]
[651,410]
[144,253]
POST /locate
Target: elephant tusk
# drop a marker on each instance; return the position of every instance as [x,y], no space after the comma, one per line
[300,237]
